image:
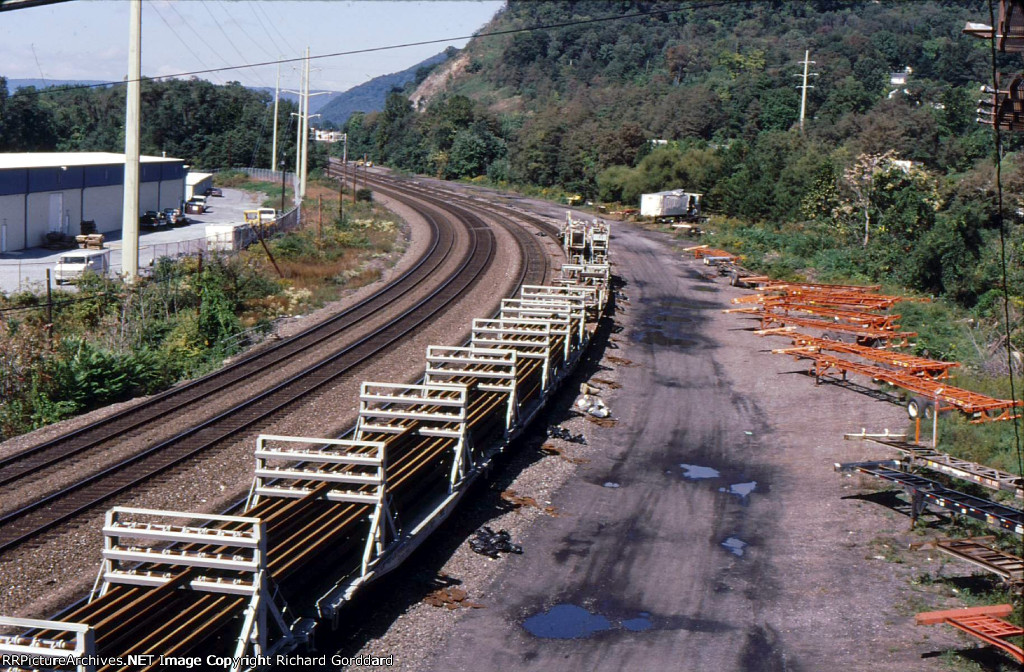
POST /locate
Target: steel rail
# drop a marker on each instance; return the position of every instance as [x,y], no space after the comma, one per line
[307,532]
[66,446]
[30,520]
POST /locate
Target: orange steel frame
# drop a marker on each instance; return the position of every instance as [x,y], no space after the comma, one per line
[702,251]
[985,623]
[855,317]
[918,366]
[958,398]
[804,286]
[893,338]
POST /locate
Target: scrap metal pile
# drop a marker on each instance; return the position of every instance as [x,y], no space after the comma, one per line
[325,516]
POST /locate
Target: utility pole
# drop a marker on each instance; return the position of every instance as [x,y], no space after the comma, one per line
[302,135]
[803,87]
[305,129]
[298,133]
[277,100]
[344,151]
[130,209]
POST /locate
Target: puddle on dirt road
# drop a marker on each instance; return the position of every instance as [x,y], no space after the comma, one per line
[568,621]
[640,623]
[735,546]
[741,490]
[696,472]
[611,484]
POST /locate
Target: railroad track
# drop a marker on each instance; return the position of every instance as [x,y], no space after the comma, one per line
[182,398]
[414,186]
[63,505]
[204,590]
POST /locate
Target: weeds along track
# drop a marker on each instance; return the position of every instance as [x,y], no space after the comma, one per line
[326,517]
[339,347]
[182,399]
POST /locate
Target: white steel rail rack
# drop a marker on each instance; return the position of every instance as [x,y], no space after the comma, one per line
[438,410]
[464,390]
[356,472]
[494,369]
[226,555]
[65,646]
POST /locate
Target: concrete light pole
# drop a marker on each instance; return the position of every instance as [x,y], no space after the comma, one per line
[130,211]
[277,101]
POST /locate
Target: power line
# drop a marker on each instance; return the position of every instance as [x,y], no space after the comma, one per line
[167,23]
[273,24]
[188,24]
[231,42]
[1002,247]
[404,45]
[266,32]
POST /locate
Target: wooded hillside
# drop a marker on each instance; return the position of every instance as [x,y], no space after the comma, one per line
[575,105]
[208,125]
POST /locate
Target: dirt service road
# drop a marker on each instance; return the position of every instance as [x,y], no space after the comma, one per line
[709,531]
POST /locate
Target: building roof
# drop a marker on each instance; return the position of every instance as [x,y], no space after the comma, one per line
[57,159]
[195,178]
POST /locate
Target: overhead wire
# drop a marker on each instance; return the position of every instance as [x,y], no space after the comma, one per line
[266,32]
[262,8]
[420,43]
[188,24]
[231,42]
[155,7]
[997,136]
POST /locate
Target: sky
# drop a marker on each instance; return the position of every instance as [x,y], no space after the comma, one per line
[88,39]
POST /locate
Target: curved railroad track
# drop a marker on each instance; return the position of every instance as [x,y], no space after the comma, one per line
[61,506]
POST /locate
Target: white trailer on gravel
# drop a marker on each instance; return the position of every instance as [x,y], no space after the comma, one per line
[675,204]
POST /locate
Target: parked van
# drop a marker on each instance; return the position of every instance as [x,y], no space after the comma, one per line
[261,217]
[72,265]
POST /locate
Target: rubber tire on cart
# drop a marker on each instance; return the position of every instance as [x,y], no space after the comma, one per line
[921,407]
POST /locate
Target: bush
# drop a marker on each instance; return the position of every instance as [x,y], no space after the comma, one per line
[364,195]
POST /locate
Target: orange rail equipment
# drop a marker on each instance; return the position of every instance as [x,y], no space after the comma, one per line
[982,407]
[855,300]
[855,317]
[918,366]
[985,623]
[863,334]
[815,286]
[703,251]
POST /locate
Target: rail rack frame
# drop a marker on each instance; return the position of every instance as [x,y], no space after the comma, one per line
[924,491]
[52,647]
[980,407]
[310,463]
[935,460]
[472,402]
[579,278]
[979,552]
[985,623]
[237,566]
